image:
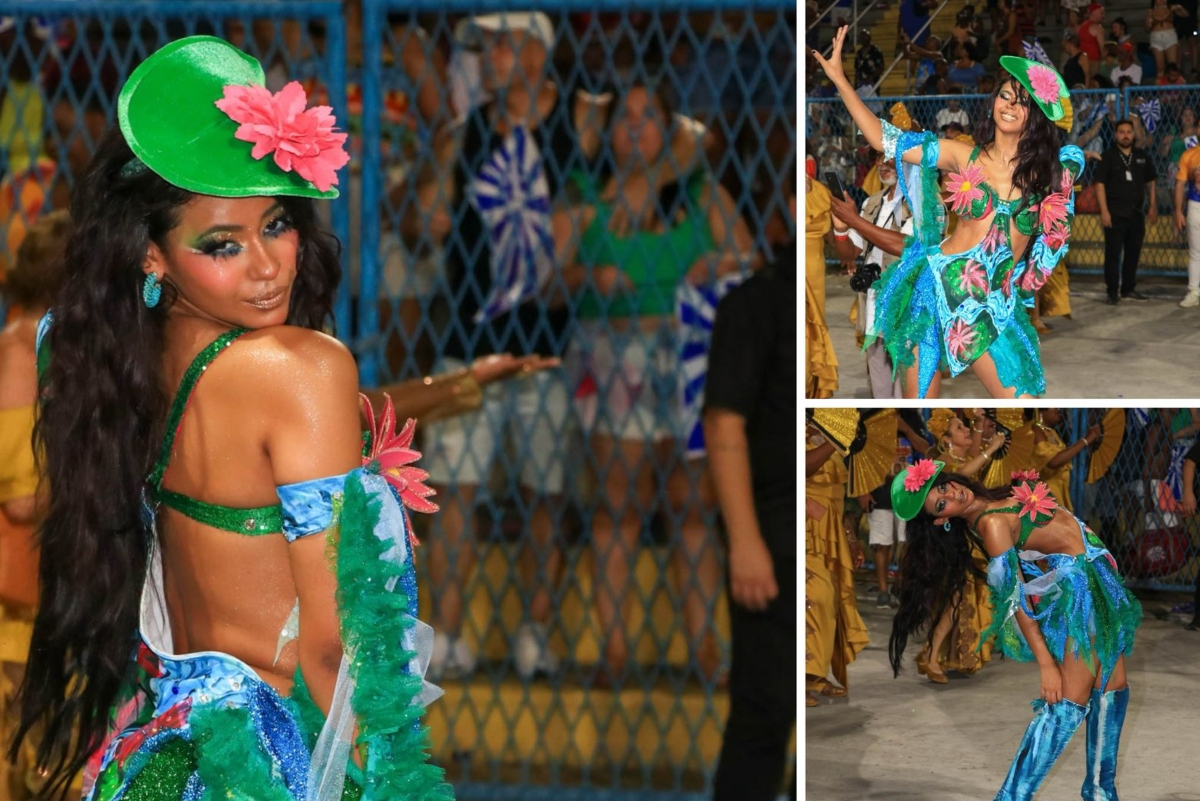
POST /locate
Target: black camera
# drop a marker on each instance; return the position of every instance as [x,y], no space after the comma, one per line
[864,276]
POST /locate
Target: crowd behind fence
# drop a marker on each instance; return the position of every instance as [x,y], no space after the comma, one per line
[1165,123]
[601,490]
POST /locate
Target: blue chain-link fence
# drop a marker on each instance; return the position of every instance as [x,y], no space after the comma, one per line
[1165,125]
[575,572]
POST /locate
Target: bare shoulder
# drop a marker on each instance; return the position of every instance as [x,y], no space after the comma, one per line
[960,152]
[996,533]
[291,362]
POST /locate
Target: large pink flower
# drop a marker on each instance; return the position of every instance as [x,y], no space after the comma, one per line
[1053,211]
[1035,500]
[960,338]
[1032,279]
[1044,82]
[1055,238]
[302,140]
[972,277]
[391,456]
[964,188]
[916,475]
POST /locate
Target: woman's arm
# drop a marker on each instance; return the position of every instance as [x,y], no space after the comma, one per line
[1067,454]
[730,234]
[986,455]
[314,434]
[950,152]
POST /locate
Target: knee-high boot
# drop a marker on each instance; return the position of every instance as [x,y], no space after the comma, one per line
[1051,729]
[1104,724]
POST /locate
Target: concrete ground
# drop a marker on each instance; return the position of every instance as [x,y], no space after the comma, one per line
[906,739]
[1147,349]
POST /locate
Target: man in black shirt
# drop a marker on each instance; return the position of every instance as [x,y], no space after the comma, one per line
[750,428]
[1121,179]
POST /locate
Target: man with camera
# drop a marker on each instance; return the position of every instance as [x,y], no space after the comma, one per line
[877,234]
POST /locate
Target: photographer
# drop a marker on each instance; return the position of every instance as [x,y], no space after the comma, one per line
[877,234]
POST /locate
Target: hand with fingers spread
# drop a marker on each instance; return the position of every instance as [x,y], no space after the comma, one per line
[833,65]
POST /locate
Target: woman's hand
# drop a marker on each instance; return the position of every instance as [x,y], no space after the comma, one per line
[1093,435]
[609,279]
[833,65]
[501,366]
[1051,683]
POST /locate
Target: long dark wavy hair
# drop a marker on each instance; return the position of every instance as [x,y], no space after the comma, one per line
[1038,170]
[102,412]
[935,566]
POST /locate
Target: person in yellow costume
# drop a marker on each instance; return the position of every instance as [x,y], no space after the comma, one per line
[1052,457]
[953,642]
[820,373]
[29,287]
[834,631]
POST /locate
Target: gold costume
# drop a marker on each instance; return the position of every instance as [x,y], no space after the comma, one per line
[820,366]
[1054,299]
[974,612]
[1057,479]
[18,595]
[834,631]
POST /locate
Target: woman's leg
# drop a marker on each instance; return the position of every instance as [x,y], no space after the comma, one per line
[938,636]
[1105,720]
[985,370]
[912,383]
[691,497]
[621,471]
[1159,61]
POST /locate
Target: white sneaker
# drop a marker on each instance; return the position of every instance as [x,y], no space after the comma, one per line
[1191,299]
[531,653]
[462,660]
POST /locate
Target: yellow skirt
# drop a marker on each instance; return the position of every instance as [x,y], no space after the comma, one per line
[820,363]
[834,631]
[960,651]
[1054,300]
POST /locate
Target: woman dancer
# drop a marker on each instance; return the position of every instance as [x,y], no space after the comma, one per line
[954,642]
[193,636]
[955,302]
[1058,599]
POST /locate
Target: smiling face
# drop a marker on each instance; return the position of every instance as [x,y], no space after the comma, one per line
[947,501]
[1010,110]
[231,260]
[957,434]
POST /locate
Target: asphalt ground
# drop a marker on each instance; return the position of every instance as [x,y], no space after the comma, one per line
[906,739]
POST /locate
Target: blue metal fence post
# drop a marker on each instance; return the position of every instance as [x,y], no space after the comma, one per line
[335,51]
[372,163]
[1080,467]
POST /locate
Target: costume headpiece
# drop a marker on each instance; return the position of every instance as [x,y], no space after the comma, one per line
[198,114]
[911,485]
[1045,86]
[939,422]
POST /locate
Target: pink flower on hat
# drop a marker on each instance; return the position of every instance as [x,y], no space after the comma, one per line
[1044,83]
[917,474]
[1025,475]
[302,140]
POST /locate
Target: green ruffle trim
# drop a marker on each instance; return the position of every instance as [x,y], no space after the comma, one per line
[374,623]
[230,759]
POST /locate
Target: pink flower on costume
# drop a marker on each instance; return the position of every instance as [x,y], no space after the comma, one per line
[917,474]
[993,239]
[965,188]
[1035,500]
[1032,279]
[1056,237]
[1044,82]
[1068,182]
[1053,211]
[960,338]
[972,277]
[302,140]
[391,456]
[1025,475]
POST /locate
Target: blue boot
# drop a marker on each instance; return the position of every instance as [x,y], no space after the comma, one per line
[1103,737]
[1051,729]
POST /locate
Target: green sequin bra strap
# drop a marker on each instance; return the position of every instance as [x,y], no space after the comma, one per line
[175,417]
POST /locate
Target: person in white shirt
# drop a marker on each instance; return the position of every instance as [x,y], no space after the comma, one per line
[1126,66]
[876,232]
[953,113]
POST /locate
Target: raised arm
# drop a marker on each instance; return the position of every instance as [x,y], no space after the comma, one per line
[950,152]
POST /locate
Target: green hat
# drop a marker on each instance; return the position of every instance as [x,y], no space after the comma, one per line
[1045,86]
[198,114]
[911,485]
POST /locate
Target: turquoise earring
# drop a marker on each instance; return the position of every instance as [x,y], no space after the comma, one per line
[946,525]
[151,291]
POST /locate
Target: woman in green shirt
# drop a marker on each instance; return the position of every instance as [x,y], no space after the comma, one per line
[639,243]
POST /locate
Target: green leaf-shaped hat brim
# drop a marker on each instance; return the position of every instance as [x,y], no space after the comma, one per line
[168,114]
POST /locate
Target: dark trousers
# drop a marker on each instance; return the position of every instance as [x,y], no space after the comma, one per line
[1126,234]
[762,696]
